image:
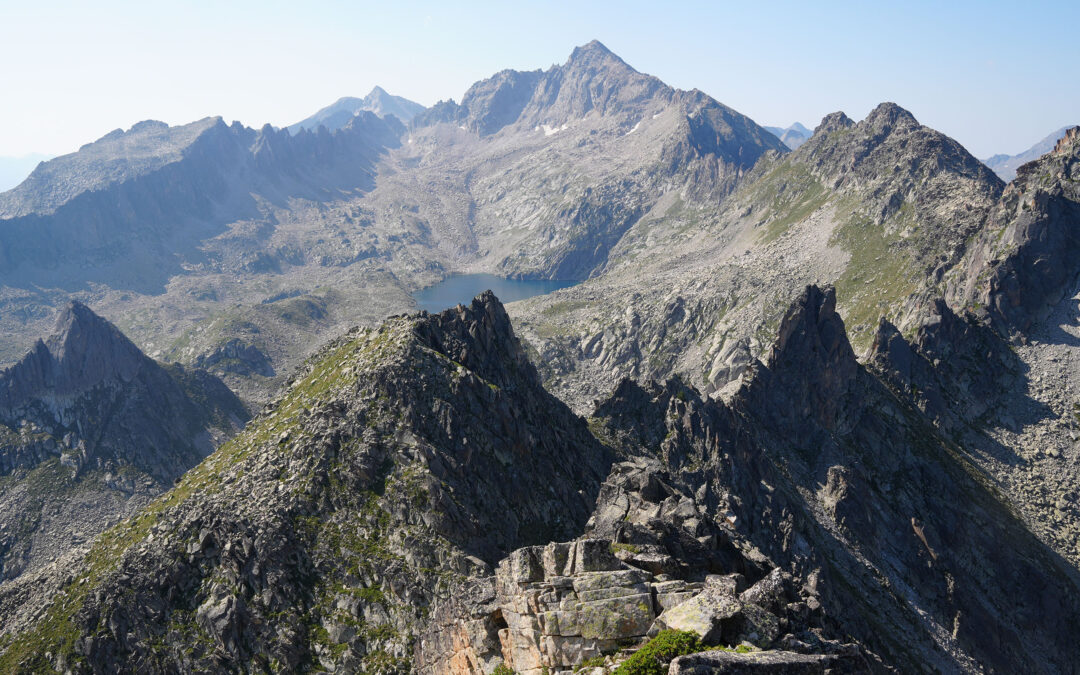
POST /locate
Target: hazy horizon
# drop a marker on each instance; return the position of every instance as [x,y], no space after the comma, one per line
[987,74]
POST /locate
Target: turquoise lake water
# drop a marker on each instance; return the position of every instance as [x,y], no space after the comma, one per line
[462,288]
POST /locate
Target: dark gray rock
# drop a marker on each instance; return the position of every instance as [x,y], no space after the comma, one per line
[773,662]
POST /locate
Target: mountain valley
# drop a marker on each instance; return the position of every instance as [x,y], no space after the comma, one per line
[808,403]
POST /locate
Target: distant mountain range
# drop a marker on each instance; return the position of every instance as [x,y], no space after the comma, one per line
[793,136]
[338,114]
[13,170]
[1006,165]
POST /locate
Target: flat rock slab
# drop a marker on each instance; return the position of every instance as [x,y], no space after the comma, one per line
[757,663]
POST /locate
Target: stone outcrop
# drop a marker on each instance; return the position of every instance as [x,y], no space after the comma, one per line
[764,663]
[1023,262]
[553,608]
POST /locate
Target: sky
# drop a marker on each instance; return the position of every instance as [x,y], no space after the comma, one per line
[996,76]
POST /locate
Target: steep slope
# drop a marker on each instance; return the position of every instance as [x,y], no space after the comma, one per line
[1024,262]
[91,429]
[1017,293]
[840,481]
[14,170]
[399,460]
[1005,166]
[128,209]
[881,209]
[340,112]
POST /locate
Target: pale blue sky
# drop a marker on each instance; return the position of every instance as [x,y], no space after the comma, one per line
[997,76]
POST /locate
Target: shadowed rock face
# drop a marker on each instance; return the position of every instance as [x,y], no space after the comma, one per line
[1024,261]
[833,477]
[126,209]
[88,394]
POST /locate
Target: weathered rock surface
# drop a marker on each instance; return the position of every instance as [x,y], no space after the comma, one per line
[777,662]
[834,479]
[881,208]
[90,430]
[1024,261]
[400,461]
[553,608]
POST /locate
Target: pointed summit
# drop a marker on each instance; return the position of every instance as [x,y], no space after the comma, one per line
[592,51]
[889,116]
[834,122]
[87,349]
[480,337]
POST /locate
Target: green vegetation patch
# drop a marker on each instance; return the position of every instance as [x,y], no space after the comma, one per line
[792,193]
[879,274]
[654,657]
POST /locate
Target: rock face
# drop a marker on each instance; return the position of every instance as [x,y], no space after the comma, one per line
[811,465]
[400,460]
[553,608]
[127,209]
[1023,263]
[90,429]
[87,395]
[778,662]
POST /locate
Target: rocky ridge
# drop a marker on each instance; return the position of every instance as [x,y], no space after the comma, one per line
[881,209]
[90,430]
[1005,166]
[371,520]
[401,459]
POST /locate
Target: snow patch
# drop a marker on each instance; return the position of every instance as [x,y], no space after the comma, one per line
[551,131]
[657,115]
[634,129]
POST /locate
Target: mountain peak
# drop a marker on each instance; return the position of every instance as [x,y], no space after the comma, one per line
[376,91]
[1066,142]
[480,337]
[87,348]
[592,47]
[834,122]
[811,367]
[889,116]
[595,54]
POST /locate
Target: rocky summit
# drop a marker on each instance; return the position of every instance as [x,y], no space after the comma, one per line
[808,404]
